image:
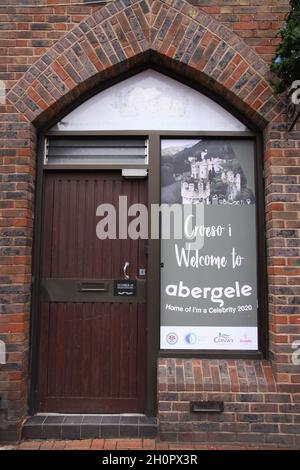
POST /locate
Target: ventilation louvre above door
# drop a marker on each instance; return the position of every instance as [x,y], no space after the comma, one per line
[95,150]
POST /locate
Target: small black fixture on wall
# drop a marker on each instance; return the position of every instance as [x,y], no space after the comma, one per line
[207,406]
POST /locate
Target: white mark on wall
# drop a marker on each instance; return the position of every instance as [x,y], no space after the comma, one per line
[2,352]
[296,353]
[2,92]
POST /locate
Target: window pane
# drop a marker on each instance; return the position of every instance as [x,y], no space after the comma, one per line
[209,266]
[150,101]
[96,150]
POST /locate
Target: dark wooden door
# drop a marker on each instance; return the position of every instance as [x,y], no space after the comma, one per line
[92,344]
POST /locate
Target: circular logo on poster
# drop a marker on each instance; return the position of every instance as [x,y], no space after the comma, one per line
[172,338]
[191,338]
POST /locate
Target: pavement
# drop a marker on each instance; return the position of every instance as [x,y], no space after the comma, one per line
[122,444]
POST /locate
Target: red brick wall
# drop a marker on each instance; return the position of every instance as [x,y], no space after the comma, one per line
[256,21]
[27,32]
[77,57]
[255,411]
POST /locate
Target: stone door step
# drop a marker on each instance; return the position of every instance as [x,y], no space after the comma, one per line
[50,426]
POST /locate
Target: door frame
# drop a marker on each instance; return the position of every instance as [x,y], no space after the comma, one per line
[153,279]
[70,291]
[152,319]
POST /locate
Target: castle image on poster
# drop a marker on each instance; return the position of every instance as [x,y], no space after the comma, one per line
[197,188]
[204,174]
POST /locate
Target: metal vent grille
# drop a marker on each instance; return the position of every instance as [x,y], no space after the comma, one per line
[87,151]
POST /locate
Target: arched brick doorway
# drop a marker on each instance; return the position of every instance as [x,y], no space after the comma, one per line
[118,37]
[115,40]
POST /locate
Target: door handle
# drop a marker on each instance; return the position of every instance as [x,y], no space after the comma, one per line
[126,265]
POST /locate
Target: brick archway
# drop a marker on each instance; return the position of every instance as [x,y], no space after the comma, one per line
[123,34]
[113,40]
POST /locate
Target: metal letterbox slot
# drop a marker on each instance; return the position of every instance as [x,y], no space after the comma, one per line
[92,287]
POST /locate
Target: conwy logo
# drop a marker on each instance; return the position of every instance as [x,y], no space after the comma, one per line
[222,338]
